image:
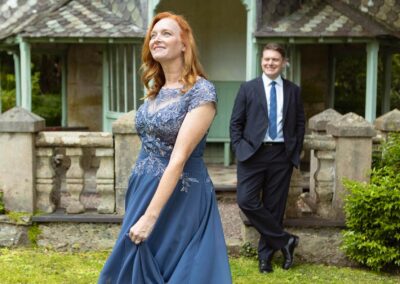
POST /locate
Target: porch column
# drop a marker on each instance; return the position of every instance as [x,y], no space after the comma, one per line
[251,46]
[17,72]
[296,66]
[0,89]
[106,88]
[330,101]
[64,98]
[26,87]
[372,79]
[387,77]
[152,5]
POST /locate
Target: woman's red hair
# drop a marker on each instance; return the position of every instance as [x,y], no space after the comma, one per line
[152,74]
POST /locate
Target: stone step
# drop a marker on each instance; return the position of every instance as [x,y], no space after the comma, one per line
[88,217]
[93,217]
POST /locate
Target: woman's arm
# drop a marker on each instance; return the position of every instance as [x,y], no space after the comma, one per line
[193,129]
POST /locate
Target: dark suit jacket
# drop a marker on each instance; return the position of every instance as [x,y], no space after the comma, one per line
[249,120]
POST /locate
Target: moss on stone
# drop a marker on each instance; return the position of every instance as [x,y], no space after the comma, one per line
[33,234]
[19,218]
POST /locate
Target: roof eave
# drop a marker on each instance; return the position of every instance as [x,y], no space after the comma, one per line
[85,40]
[296,39]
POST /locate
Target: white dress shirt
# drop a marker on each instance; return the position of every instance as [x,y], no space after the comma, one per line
[279,100]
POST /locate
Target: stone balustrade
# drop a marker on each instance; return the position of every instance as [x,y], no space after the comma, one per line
[75,171]
[80,171]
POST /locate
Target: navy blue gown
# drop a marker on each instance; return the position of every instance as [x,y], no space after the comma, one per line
[187,243]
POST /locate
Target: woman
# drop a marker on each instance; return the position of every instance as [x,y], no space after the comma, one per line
[172,231]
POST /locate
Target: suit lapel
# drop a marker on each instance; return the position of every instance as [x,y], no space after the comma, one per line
[260,93]
[286,98]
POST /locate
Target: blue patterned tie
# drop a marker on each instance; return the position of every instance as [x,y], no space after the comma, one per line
[272,128]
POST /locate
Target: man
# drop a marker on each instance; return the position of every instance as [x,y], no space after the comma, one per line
[267,131]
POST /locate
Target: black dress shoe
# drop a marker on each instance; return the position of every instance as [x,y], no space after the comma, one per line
[265,261]
[288,251]
[265,266]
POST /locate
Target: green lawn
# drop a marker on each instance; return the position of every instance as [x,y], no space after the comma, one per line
[41,266]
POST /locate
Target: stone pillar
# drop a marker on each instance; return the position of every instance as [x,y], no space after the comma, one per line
[18,128]
[353,135]
[45,180]
[105,180]
[322,162]
[127,146]
[389,122]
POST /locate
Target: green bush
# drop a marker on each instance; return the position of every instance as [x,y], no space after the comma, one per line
[8,92]
[248,250]
[372,211]
[48,106]
[45,105]
[2,209]
[33,234]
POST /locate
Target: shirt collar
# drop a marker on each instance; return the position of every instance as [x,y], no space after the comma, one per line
[267,81]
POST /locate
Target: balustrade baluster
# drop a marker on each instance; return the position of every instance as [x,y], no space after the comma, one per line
[324,182]
[74,180]
[105,180]
[45,180]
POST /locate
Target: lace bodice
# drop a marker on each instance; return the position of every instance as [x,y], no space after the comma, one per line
[158,120]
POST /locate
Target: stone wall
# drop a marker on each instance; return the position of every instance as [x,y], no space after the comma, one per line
[84,86]
[14,231]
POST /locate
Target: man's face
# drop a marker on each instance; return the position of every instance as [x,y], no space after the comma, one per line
[272,63]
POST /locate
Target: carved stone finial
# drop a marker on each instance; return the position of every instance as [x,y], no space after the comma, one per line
[19,119]
[351,125]
[389,121]
[319,121]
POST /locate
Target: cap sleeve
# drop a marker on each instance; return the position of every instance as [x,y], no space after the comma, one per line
[203,92]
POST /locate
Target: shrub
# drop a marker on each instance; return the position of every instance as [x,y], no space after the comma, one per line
[46,105]
[7,93]
[248,250]
[33,234]
[2,208]
[372,211]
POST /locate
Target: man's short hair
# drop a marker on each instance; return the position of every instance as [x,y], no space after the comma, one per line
[277,47]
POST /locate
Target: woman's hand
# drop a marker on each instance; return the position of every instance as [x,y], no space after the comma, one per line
[142,228]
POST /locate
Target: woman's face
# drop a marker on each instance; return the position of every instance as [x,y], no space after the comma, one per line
[165,41]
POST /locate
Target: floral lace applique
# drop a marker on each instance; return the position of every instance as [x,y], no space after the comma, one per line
[151,165]
[158,122]
[154,166]
[186,181]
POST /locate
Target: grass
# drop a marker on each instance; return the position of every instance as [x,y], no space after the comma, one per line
[43,266]
[245,271]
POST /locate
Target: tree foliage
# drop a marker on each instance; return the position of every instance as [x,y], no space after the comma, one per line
[350,84]
[47,105]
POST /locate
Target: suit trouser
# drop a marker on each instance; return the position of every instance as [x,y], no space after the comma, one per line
[263,186]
